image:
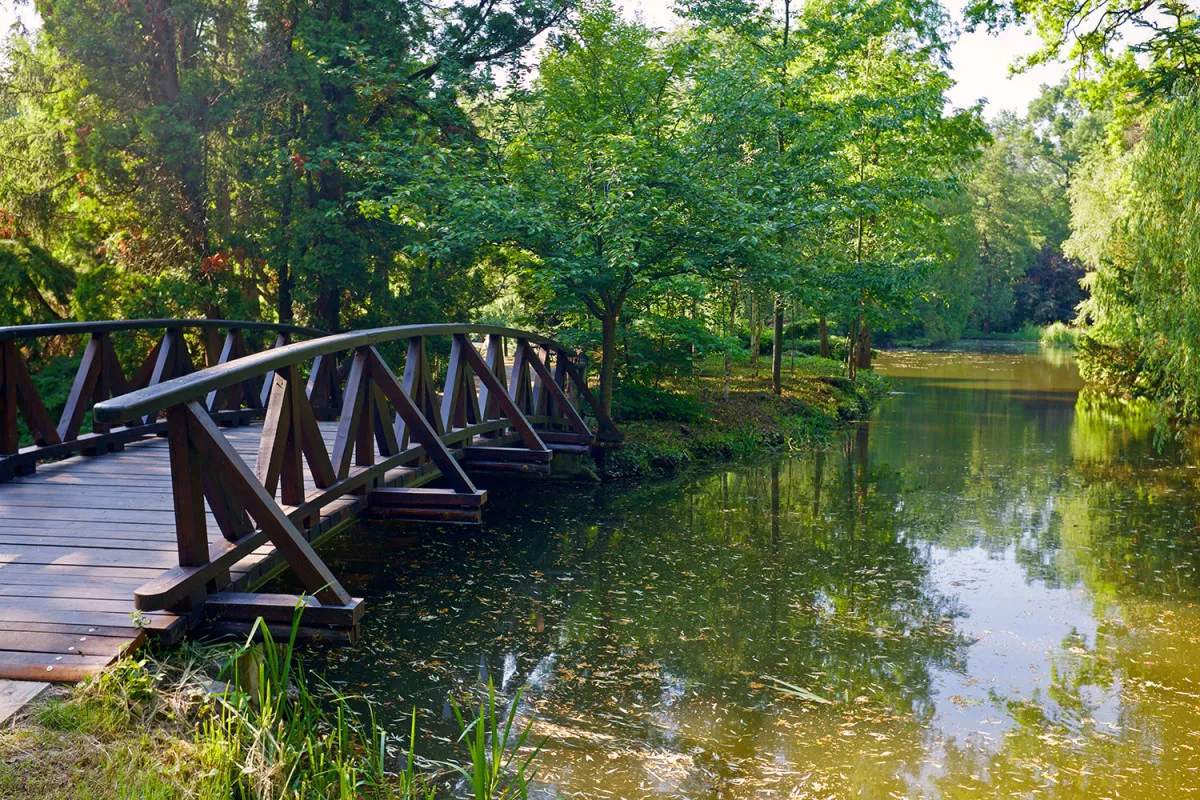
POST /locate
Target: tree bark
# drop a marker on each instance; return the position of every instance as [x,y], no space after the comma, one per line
[733,302]
[852,348]
[864,345]
[608,356]
[777,349]
[755,336]
[824,333]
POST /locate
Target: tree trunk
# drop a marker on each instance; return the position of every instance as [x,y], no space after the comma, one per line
[329,303]
[733,302]
[824,328]
[852,348]
[777,349]
[755,337]
[608,361]
[864,345]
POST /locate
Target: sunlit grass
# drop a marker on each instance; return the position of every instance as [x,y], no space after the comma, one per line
[238,722]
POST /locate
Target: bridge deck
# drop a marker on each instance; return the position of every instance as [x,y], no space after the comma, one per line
[79,536]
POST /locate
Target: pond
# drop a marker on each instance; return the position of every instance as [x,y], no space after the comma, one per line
[992,583]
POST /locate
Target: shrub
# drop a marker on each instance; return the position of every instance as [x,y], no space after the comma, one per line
[635,401]
[1059,334]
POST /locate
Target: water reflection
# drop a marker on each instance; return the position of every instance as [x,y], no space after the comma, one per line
[994,585]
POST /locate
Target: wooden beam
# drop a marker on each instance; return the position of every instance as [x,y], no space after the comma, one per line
[353,402]
[556,393]
[187,489]
[81,389]
[281,608]
[272,443]
[286,537]
[417,425]
[37,419]
[495,365]
[508,405]
[10,440]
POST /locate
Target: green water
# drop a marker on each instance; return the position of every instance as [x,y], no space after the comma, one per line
[995,586]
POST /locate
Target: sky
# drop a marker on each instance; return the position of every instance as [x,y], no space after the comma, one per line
[980,61]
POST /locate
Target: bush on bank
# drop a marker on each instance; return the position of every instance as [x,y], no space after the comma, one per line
[670,427]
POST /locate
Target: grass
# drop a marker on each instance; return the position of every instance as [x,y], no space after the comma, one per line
[1059,335]
[244,723]
[816,401]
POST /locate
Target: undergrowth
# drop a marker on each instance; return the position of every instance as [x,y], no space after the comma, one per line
[817,400]
[243,723]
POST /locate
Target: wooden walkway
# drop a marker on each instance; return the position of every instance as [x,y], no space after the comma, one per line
[79,536]
[172,510]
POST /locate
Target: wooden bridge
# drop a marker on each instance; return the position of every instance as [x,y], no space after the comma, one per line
[193,486]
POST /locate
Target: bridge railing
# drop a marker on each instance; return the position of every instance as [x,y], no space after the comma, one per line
[101,376]
[386,427]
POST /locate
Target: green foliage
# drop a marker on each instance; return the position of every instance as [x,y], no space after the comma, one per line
[1060,335]
[636,401]
[34,285]
[1144,262]
[498,770]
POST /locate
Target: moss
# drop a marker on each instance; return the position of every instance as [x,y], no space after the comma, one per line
[816,402]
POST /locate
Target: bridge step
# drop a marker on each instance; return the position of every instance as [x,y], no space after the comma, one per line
[571,449]
[426,505]
[566,437]
[515,467]
[478,453]
[280,608]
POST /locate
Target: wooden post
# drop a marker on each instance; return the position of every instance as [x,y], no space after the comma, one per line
[417,425]
[187,487]
[10,440]
[235,474]
[508,405]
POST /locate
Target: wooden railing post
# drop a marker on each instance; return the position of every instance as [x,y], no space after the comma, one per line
[187,487]
[10,440]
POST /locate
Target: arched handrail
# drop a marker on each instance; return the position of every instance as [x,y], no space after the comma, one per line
[153,399]
[100,376]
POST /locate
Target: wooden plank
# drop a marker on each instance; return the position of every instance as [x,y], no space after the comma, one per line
[426,514]
[77,617]
[72,644]
[122,606]
[478,453]
[281,608]
[92,542]
[90,590]
[38,573]
[73,556]
[50,667]
[15,695]
[125,631]
[426,497]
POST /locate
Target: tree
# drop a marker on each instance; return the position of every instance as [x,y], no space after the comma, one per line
[214,140]
[1130,228]
[887,75]
[605,194]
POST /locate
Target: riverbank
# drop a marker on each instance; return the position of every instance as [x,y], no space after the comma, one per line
[691,420]
[220,721]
